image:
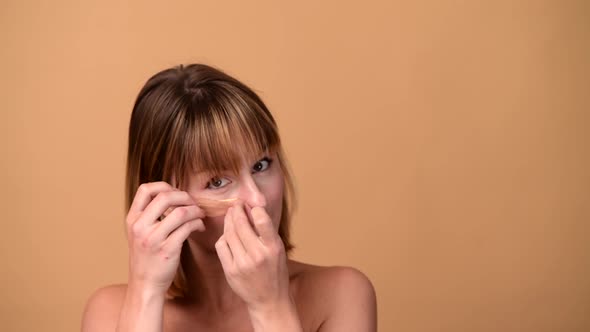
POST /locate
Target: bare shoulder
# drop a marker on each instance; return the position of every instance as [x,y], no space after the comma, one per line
[343,296]
[102,309]
[331,277]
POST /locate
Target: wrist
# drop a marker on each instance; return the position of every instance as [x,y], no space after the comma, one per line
[141,293]
[142,309]
[281,316]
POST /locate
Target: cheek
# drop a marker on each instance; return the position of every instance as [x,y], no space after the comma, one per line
[274,196]
[276,192]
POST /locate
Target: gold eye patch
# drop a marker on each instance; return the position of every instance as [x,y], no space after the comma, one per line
[212,207]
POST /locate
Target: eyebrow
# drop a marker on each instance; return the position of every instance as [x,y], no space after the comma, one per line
[207,173]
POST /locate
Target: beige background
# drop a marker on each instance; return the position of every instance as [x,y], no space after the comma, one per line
[441,147]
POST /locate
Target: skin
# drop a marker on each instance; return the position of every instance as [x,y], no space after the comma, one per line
[241,278]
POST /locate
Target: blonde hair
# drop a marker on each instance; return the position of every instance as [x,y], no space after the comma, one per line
[197,118]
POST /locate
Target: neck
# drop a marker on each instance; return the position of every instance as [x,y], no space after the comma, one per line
[207,283]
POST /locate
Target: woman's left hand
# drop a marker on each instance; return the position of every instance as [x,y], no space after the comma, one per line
[254,260]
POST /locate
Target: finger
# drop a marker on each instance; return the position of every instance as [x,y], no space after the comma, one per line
[224,253]
[146,192]
[263,224]
[237,248]
[143,196]
[175,219]
[244,229]
[162,202]
[178,236]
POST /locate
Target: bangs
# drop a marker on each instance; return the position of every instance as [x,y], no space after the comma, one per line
[221,133]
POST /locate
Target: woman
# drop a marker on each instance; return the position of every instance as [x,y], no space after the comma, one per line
[209,200]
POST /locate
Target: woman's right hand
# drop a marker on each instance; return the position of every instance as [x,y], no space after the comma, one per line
[154,246]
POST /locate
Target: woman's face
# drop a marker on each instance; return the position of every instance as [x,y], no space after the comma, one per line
[259,183]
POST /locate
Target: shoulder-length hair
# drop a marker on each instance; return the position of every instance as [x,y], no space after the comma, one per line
[197,118]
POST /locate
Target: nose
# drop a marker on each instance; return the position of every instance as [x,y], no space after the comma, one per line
[250,193]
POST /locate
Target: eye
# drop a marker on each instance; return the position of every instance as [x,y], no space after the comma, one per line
[217,183]
[262,164]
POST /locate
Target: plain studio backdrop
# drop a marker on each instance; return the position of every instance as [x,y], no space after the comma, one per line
[441,147]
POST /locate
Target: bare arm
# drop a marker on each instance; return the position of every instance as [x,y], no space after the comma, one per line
[142,311]
[155,244]
[282,317]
